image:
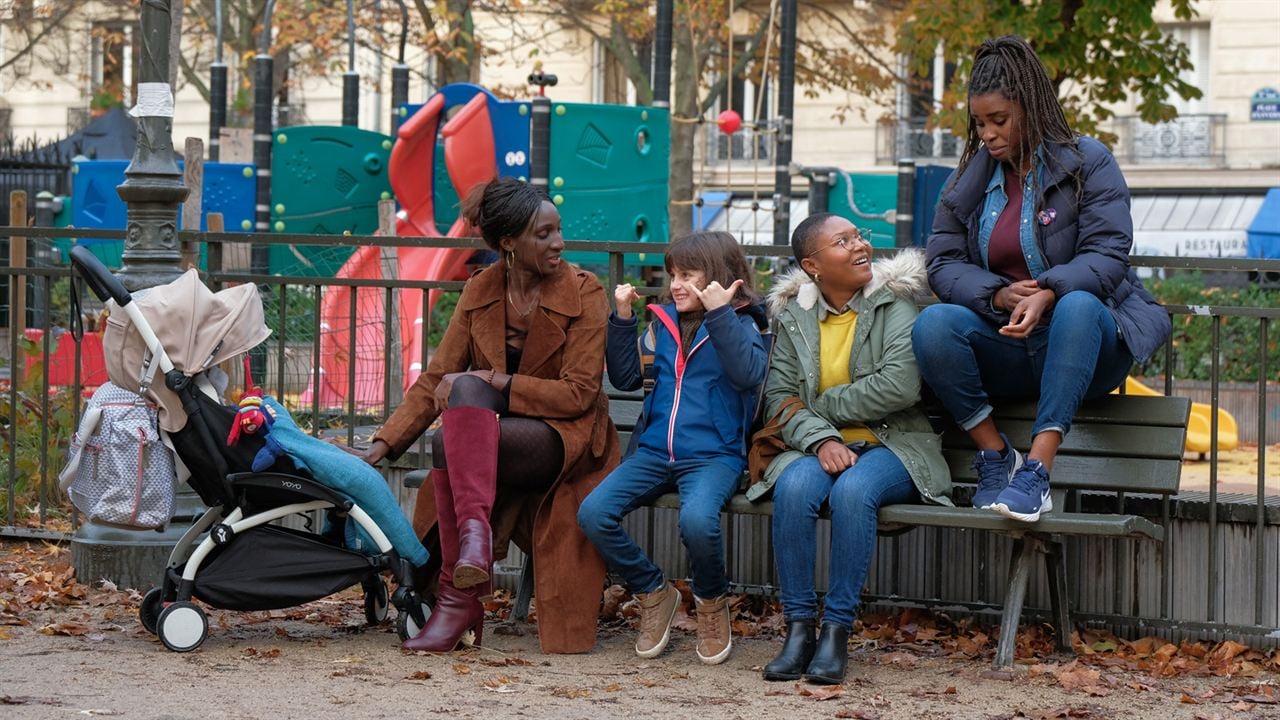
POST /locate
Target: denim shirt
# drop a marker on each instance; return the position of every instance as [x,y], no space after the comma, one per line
[996,199]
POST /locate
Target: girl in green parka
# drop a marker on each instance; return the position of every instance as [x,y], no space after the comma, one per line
[859,442]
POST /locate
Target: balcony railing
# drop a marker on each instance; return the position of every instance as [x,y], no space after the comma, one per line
[912,139]
[748,144]
[1185,140]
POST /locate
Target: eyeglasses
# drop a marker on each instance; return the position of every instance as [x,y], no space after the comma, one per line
[846,241]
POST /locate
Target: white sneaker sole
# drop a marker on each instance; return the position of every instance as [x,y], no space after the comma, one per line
[718,657]
[1045,506]
[1017,465]
[656,650]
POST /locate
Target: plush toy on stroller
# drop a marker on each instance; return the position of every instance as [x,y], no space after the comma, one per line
[233,557]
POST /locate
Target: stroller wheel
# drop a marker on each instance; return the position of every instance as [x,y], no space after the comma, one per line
[375,600]
[182,626]
[407,625]
[150,608]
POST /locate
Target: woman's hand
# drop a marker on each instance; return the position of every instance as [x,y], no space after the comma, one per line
[1027,313]
[835,457]
[715,295]
[1008,297]
[623,296]
[377,450]
[443,388]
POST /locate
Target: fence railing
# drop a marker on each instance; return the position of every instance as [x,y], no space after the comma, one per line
[1217,574]
[1187,139]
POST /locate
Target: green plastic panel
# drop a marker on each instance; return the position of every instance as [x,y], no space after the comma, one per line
[609,172]
[445,195]
[325,180]
[873,194]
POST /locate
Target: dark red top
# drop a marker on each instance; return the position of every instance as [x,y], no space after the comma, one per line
[1004,250]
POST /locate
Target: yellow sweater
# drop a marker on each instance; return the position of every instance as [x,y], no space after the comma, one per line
[835,344]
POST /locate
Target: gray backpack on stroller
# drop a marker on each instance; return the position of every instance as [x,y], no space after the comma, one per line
[119,469]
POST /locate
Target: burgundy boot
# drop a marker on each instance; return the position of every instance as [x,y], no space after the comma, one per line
[456,611]
[471,451]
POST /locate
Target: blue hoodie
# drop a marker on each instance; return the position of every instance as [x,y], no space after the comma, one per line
[702,402]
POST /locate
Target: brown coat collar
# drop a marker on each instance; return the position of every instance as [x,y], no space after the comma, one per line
[561,295]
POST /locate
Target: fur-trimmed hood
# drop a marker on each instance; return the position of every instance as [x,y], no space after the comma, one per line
[902,275]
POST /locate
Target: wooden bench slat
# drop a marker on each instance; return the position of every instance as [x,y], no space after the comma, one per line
[1096,524]
[1112,474]
[1112,409]
[900,516]
[1091,439]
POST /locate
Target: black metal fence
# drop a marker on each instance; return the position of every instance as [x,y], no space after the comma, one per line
[1217,574]
[34,170]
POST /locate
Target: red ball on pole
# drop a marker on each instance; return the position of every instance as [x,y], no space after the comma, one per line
[729,121]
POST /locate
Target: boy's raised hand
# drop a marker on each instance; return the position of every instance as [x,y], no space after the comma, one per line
[623,296]
[715,295]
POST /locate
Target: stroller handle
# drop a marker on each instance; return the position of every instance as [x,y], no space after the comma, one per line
[101,281]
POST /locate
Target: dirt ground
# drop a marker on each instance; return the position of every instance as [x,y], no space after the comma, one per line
[321,662]
[1237,470]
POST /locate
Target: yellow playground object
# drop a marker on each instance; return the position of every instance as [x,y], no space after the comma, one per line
[1199,424]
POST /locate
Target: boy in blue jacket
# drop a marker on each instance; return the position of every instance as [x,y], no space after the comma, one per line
[709,361]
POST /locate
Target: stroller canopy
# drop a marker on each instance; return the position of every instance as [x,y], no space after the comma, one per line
[198,329]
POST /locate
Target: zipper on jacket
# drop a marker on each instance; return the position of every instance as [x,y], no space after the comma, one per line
[681,361]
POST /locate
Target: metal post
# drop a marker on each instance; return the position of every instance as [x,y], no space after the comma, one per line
[904,223]
[152,189]
[786,108]
[351,79]
[400,73]
[153,186]
[217,89]
[662,54]
[540,142]
[820,183]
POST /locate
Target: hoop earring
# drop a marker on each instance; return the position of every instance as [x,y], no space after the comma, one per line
[817,278]
[511,258]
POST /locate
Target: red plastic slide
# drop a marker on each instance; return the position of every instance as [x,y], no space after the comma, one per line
[470,160]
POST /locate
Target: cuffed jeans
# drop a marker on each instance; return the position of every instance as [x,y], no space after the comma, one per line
[965,360]
[705,486]
[856,495]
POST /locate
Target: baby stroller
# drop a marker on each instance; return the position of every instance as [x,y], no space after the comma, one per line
[232,557]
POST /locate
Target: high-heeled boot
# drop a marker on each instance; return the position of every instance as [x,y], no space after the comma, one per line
[471,452]
[456,611]
[830,656]
[796,652]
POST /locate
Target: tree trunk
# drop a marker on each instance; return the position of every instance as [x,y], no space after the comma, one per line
[684,81]
[461,44]
[175,42]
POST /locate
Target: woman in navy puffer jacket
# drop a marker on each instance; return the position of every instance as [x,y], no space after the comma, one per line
[1030,257]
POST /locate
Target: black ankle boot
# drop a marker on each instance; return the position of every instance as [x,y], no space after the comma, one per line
[796,652]
[830,657]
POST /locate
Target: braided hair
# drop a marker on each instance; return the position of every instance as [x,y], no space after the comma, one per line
[1007,65]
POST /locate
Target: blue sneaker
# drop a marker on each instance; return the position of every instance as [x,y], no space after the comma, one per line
[1027,495]
[994,473]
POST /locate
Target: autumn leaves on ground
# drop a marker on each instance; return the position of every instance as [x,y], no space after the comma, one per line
[69,648]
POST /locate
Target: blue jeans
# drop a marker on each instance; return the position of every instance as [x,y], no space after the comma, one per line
[705,486]
[965,360]
[855,496]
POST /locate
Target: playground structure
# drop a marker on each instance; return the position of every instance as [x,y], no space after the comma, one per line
[1199,424]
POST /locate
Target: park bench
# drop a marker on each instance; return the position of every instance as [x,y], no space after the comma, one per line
[1118,446]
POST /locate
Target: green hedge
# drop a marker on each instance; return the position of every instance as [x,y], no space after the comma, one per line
[1239,337]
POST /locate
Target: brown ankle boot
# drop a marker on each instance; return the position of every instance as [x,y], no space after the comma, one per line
[471,452]
[715,634]
[657,610]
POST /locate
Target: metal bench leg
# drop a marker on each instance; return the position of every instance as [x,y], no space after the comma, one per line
[1059,602]
[520,611]
[1024,551]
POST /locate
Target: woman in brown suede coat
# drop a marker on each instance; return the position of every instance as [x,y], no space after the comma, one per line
[524,431]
